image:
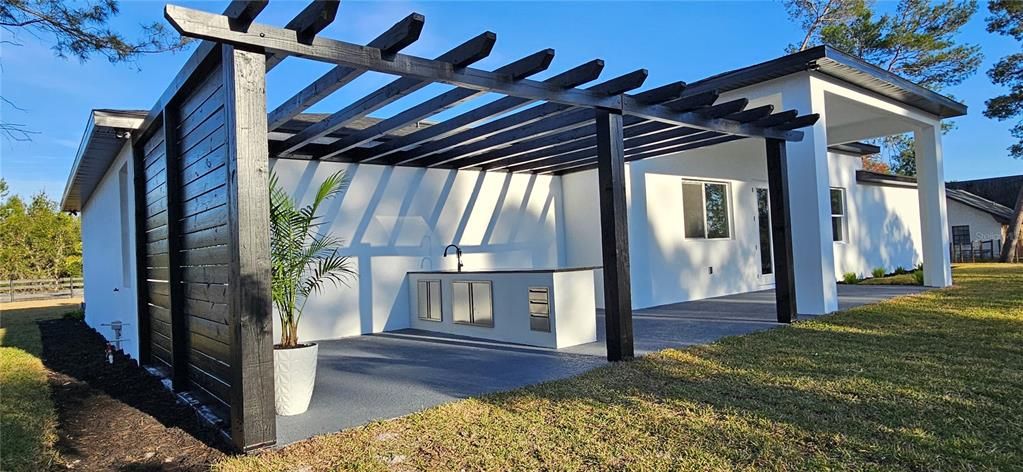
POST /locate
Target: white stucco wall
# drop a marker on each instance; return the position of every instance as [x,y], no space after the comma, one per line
[883,223]
[667,267]
[399,219]
[983,227]
[109,295]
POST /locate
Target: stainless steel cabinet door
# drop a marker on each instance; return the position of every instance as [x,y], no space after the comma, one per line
[482,304]
[461,302]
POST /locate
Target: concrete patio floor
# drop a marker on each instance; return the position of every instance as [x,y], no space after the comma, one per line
[387,375]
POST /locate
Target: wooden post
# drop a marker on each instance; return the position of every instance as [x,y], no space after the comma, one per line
[781,230]
[614,230]
[253,419]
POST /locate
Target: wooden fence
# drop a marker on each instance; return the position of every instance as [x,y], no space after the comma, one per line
[30,289]
[982,251]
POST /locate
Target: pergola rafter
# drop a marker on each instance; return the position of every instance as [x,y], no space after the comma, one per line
[202,25]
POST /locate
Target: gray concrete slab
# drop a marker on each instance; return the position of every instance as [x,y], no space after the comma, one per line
[387,375]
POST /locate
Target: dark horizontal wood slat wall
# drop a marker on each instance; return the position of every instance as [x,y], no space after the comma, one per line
[153,267]
[203,256]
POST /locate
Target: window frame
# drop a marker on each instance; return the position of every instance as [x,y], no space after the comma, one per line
[703,202]
[969,235]
[844,216]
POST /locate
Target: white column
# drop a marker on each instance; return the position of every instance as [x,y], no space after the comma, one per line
[809,192]
[930,177]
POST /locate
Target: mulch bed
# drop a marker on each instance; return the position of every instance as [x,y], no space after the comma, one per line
[118,416]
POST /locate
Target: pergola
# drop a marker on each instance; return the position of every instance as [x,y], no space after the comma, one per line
[202,161]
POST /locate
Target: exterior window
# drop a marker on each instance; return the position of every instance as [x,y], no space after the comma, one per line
[705,210]
[122,188]
[961,235]
[838,225]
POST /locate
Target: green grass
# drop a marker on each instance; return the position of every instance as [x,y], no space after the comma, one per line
[27,419]
[926,382]
[900,279]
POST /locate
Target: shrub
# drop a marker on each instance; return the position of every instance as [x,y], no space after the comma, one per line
[900,270]
[918,277]
[878,272]
[850,277]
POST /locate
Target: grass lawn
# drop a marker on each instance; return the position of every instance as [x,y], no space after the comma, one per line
[927,382]
[27,418]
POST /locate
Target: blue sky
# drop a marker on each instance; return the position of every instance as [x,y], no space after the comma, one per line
[674,40]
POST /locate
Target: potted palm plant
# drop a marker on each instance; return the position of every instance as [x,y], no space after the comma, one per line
[303,260]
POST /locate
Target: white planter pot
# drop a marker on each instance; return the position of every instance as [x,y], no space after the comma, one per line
[294,377]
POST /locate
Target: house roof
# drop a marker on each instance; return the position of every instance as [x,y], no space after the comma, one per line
[1003,190]
[846,67]
[999,212]
[105,135]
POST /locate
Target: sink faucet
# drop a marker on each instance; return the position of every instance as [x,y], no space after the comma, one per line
[458,254]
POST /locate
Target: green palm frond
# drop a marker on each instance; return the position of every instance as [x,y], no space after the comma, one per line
[303,260]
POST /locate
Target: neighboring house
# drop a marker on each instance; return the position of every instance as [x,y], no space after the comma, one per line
[1001,190]
[976,225]
[973,219]
[701,221]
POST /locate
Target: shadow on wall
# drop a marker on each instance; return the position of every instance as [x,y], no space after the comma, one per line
[667,266]
[883,229]
[399,219]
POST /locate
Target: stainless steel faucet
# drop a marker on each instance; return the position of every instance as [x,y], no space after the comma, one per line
[458,254]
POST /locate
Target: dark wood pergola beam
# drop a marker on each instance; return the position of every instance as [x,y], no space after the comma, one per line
[664,138]
[461,56]
[568,124]
[582,160]
[520,69]
[704,139]
[198,24]
[508,128]
[568,79]
[314,18]
[643,133]
[243,13]
[579,134]
[565,128]
[588,156]
[396,38]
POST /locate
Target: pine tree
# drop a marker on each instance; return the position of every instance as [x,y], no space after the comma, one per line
[1007,19]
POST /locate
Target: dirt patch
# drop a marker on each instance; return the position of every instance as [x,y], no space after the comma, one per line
[117,416]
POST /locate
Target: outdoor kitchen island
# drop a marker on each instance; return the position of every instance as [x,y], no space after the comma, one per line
[551,308]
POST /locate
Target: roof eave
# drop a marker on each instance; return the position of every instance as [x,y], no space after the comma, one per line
[72,198]
[933,102]
[840,65]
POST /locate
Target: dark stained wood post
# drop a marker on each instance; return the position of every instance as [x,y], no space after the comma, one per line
[614,230]
[253,419]
[781,230]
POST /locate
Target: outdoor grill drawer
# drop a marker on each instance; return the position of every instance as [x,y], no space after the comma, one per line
[539,309]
